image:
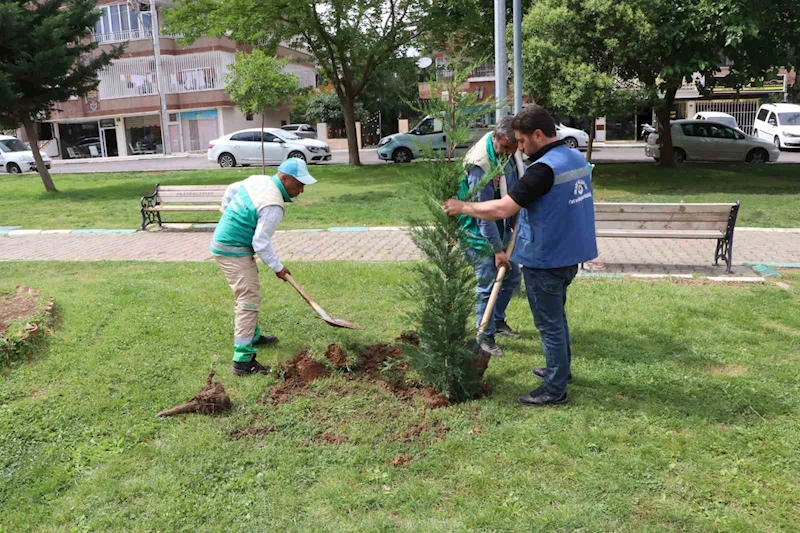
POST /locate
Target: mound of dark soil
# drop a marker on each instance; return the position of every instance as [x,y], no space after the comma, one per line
[212,398]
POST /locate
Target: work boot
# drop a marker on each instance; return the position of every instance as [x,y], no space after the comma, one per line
[541,397]
[542,372]
[249,368]
[488,346]
[504,330]
[266,340]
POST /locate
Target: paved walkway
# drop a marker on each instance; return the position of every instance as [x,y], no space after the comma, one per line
[643,256]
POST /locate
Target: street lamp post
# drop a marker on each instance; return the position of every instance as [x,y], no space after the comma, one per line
[500,58]
[161,88]
[517,56]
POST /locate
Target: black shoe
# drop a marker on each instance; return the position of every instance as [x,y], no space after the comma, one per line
[488,346]
[266,340]
[542,372]
[250,368]
[504,330]
[541,397]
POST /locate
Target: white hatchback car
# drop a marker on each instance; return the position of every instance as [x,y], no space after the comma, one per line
[778,124]
[572,137]
[704,140]
[16,156]
[724,118]
[244,148]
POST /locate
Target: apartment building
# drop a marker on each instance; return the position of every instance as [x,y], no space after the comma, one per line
[741,102]
[123,117]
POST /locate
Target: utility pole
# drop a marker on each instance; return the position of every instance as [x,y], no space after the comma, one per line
[500,58]
[517,56]
[161,88]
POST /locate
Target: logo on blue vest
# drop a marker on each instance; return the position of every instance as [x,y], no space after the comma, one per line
[581,191]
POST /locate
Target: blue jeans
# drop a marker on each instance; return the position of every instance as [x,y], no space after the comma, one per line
[547,296]
[486,273]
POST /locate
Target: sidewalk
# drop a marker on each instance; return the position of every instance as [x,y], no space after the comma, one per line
[617,256]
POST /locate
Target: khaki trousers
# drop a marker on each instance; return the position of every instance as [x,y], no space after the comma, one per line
[242,276]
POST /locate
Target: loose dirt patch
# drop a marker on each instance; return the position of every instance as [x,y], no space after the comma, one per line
[297,374]
[212,398]
[241,433]
[727,371]
[332,438]
[19,306]
[335,354]
[402,460]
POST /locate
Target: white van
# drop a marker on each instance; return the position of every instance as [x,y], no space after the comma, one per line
[779,124]
[16,156]
[722,118]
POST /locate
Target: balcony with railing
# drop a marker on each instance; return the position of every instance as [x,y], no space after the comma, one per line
[180,74]
[122,36]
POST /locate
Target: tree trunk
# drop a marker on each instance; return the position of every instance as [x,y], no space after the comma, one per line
[33,139]
[666,155]
[591,139]
[263,166]
[348,106]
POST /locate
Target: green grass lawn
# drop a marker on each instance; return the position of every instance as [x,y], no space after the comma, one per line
[382,195]
[683,415]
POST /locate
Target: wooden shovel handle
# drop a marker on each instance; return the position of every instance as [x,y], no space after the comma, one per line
[300,290]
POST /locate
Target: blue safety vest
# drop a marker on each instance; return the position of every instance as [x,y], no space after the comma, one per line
[557,229]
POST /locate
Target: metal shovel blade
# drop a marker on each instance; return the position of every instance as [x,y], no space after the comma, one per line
[335,322]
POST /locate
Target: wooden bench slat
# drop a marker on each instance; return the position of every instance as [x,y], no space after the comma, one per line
[639,224]
[667,217]
[189,199]
[660,234]
[183,208]
[624,207]
[192,188]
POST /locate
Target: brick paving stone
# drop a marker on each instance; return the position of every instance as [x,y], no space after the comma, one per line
[645,256]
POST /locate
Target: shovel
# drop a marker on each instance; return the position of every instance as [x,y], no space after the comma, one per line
[335,322]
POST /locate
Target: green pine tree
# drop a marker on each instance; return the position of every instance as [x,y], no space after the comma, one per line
[443,289]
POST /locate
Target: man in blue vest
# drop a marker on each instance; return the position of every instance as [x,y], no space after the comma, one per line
[556,233]
[487,239]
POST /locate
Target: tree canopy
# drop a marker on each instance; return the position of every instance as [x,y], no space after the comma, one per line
[350,39]
[46,57]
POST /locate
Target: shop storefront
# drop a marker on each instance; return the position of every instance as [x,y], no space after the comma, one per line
[143,135]
[97,138]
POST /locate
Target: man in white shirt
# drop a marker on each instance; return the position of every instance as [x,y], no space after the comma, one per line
[252,210]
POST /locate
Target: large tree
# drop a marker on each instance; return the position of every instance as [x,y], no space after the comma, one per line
[257,83]
[662,44]
[568,64]
[350,39]
[46,57]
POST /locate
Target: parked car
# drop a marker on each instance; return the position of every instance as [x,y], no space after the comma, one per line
[573,137]
[700,140]
[778,124]
[306,131]
[244,148]
[404,147]
[723,118]
[16,156]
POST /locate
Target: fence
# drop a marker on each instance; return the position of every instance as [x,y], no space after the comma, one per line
[743,110]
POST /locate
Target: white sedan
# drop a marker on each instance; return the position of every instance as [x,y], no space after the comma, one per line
[704,140]
[244,148]
[573,137]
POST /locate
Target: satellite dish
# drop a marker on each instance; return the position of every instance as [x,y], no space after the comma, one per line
[424,62]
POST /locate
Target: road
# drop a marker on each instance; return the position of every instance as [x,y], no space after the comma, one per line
[368,157]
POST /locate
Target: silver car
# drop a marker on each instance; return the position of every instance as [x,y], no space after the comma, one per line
[706,140]
[304,131]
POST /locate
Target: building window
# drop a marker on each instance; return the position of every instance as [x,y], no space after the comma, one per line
[249,117]
[143,135]
[121,23]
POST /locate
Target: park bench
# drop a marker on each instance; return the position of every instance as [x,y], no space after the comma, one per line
[670,221]
[180,198]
